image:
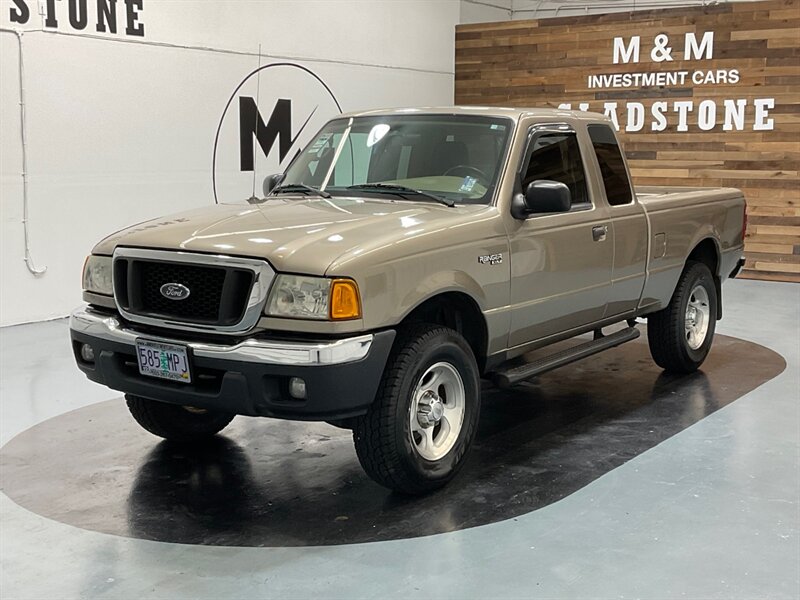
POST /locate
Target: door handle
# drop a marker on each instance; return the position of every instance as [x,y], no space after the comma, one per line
[599,233]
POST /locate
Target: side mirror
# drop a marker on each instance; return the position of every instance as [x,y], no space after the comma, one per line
[543,196]
[271,181]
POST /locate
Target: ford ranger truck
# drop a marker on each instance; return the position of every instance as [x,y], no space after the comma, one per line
[403,256]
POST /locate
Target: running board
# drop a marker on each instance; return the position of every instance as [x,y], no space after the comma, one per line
[514,375]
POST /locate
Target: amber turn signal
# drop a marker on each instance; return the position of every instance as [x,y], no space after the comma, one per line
[345,302]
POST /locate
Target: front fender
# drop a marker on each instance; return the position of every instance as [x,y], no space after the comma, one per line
[440,283]
[488,298]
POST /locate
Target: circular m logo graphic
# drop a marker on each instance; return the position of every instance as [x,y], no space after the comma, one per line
[271,115]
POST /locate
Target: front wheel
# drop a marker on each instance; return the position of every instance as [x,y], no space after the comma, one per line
[177,423]
[680,335]
[418,430]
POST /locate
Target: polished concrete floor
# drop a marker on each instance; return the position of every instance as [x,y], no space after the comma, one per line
[605,479]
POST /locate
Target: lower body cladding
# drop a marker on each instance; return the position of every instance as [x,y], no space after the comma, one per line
[327,380]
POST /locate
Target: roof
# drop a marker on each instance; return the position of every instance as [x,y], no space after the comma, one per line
[486,111]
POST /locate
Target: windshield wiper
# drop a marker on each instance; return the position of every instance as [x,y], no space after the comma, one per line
[300,187]
[400,190]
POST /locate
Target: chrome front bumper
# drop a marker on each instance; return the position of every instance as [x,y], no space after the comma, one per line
[93,323]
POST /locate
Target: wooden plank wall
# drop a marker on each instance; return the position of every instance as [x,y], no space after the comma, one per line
[548,62]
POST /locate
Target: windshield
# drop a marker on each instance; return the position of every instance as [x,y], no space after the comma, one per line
[456,158]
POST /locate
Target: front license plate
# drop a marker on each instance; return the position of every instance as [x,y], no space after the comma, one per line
[167,361]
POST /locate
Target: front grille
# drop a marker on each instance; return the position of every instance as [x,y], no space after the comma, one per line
[204,299]
[218,294]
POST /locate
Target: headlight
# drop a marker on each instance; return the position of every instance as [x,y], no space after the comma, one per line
[97,275]
[318,298]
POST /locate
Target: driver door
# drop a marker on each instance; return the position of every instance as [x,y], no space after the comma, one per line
[560,262]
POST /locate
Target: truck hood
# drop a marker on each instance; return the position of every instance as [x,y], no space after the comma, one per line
[294,233]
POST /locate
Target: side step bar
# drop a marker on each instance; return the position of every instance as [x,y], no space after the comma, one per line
[514,375]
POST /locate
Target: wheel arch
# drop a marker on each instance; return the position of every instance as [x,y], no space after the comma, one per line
[456,310]
[707,251]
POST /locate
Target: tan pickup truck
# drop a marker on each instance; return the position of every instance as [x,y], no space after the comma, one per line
[403,256]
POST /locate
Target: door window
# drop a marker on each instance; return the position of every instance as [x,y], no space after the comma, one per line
[557,157]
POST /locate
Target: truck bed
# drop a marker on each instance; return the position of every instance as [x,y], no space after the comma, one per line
[651,196]
[680,218]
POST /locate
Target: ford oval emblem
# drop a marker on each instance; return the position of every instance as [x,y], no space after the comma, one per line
[175,291]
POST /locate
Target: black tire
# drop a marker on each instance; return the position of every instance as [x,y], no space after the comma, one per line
[666,329]
[383,438]
[347,423]
[176,423]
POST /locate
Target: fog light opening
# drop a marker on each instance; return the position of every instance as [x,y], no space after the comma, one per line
[87,353]
[297,388]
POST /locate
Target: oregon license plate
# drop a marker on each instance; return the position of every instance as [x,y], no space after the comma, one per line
[167,361]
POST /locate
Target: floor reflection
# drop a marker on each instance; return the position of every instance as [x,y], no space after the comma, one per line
[275,483]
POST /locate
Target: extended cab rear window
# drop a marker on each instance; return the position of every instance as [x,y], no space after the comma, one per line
[612,166]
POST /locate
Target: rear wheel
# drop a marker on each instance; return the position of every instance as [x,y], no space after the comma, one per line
[420,426]
[681,334]
[174,422]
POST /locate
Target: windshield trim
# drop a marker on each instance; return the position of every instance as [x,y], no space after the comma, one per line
[336,154]
[505,162]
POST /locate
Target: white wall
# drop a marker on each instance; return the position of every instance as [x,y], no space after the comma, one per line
[120,129]
[484,11]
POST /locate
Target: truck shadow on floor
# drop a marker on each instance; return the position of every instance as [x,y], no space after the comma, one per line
[275,483]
